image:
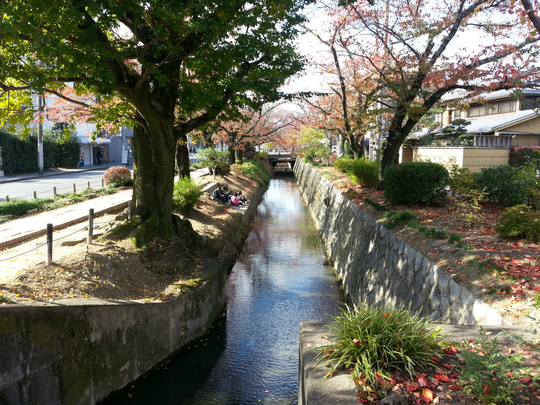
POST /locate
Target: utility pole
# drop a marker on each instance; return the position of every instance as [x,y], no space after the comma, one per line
[40,136]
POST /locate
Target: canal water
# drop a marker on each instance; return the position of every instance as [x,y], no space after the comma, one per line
[251,354]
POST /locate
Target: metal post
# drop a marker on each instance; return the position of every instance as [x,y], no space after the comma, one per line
[102,182]
[74,188]
[54,191]
[49,243]
[35,195]
[7,198]
[88,184]
[90,226]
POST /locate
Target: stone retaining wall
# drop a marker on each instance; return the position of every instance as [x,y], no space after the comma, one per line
[79,351]
[377,267]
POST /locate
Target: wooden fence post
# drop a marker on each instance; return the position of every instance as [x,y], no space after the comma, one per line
[49,243]
[90,226]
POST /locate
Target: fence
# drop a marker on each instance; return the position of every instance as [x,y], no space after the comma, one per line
[50,241]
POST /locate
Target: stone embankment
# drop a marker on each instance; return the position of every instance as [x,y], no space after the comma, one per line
[79,351]
[377,267]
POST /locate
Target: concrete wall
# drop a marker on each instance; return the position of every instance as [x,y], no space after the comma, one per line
[79,351]
[377,267]
[473,158]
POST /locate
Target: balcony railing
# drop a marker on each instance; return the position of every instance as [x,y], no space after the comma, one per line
[493,141]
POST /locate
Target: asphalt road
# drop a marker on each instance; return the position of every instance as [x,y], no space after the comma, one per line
[43,186]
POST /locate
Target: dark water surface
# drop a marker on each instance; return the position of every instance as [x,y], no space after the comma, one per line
[251,354]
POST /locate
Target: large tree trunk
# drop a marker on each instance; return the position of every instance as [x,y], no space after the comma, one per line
[232,155]
[182,157]
[153,163]
[390,155]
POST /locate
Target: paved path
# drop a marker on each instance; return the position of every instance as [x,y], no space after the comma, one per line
[32,226]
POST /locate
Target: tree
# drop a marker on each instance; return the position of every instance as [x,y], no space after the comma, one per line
[350,108]
[312,143]
[168,67]
[411,46]
[251,128]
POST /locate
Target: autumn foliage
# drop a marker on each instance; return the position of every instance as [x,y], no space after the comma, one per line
[119,174]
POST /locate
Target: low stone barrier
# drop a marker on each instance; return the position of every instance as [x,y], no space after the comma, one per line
[377,267]
[79,351]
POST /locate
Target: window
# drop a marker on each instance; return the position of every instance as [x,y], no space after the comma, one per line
[530,103]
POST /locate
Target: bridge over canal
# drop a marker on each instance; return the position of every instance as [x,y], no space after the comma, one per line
[282,162]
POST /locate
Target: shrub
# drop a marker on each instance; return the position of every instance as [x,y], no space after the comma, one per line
[214,159]
[461,180]
[257,171]
[520,222]
[520,155]
[501,185]
[394,219]
[237,169]
[528,174]
[262,155]
[119,174]
[415,182]
[186,195]
[364,172]
[374,342]
[343,164]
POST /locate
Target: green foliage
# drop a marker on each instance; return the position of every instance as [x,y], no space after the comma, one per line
[257,171]
[520,221]
[237,168]
[502,185]
[488,373]
[416,182]
[312,143]
[262,155]
[393,219]
[455,239]
[461,180]
[520,155]
[343,164]
[528,175]
[377,207]
[213,159]
[21,155]
[374,342]
[19,207]
[364,172]
[120,174]
[186,195]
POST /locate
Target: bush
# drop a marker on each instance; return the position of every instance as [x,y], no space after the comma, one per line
[343,164]
[374,342]
[257,171]
[216,161]
[416,182]
[501,185]
[237,169]
[186,195]
[519,155]
[364,172]
[262,155]
[120,174]
[528,174]
[520,222]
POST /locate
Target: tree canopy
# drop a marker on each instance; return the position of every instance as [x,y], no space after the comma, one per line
[167,67]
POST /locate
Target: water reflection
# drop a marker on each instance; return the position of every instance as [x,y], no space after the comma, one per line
[252,357]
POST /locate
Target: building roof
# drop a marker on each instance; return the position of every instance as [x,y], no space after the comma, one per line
[490,123]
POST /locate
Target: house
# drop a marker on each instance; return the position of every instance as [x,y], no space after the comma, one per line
[498,121]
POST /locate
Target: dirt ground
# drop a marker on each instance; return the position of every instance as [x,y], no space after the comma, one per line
[114,269]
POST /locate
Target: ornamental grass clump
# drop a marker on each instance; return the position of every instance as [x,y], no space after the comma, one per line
[375,342]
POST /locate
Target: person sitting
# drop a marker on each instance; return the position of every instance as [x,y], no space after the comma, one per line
[234,200]
[217,193]
[241,198]
[225,195]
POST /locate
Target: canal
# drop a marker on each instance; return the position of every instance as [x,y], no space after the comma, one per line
[251,354]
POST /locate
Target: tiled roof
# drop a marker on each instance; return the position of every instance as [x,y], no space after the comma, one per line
[492,123]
